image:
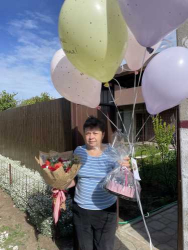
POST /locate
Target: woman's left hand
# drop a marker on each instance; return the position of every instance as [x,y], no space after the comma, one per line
[126,163]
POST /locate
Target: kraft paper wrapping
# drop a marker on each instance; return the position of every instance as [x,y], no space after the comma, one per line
[58,179]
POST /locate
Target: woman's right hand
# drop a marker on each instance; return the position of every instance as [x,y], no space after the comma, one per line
[126,163]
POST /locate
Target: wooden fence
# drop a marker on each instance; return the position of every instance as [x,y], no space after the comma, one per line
[43,126]
[54,125]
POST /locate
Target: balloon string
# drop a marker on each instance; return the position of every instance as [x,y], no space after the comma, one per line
[142,127]
[142,213]
[132,151]
[135,99]
[109,119]
[132,124]
[119,116]
[124,70]
[119,89]
[87,112]
[140,75]
[132,116]
[114,141]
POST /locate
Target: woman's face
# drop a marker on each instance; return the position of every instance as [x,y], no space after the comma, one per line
[93,137]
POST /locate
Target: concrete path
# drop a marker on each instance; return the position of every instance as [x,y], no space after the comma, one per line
[163,230]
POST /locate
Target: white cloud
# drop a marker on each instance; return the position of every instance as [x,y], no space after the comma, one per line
[26,68]
[44,18]
[40,17]
[26,81]
[23,24]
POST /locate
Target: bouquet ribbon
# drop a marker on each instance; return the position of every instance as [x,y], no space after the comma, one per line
[60,198]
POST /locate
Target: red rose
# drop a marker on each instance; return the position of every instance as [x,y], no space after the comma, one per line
[47,163]
[44,166]
[68,169]
[60,159]
[57,165]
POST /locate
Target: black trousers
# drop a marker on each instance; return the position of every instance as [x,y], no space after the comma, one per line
[95,229]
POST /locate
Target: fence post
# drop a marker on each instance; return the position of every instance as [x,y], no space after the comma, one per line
[26,186]
[117,212]
[10,174]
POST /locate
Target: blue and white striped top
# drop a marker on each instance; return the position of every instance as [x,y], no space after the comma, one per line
[89,193]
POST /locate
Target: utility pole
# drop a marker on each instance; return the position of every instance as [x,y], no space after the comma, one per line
[182,40]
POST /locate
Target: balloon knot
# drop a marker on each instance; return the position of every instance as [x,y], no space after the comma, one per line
[149,50]
[106,85]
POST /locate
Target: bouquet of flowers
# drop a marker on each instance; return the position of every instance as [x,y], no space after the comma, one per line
[120,181]
[59,169]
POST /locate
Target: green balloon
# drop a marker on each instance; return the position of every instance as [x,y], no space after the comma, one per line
[94,36]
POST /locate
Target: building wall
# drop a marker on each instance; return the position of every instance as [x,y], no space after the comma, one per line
[141,117]
[125,96]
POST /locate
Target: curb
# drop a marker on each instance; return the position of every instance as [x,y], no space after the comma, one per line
[153,214]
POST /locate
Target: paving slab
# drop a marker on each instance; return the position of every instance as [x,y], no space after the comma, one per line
[163,230]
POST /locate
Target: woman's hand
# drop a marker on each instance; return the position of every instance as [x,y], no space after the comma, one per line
[126,163]
[72,184]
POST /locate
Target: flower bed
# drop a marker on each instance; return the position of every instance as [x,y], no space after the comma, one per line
[31,195]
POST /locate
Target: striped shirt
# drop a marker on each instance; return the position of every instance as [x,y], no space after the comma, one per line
[89,192]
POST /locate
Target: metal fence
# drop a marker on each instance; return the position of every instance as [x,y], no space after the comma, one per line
[31,195]
[16,179]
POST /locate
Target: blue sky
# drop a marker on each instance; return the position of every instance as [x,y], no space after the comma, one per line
[169,41]
[28,41]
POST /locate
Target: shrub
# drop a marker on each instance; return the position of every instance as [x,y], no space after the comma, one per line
[163,135]
[31,195]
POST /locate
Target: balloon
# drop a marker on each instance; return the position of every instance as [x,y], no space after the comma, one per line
[151,20]
[94,37]
[73,85]
[165,80]
[134,54]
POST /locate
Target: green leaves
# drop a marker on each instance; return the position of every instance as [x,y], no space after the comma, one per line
[7,100]
[163,135]
[44,97]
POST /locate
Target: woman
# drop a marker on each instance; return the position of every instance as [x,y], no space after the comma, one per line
[94,209]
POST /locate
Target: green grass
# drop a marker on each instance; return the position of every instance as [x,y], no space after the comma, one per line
[16,236]
[146,150]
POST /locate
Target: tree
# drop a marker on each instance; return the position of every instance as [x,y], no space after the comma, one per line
[44,97]
[7,100]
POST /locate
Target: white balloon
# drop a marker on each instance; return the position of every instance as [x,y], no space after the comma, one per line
[134,54]
[72,84]
[164,82]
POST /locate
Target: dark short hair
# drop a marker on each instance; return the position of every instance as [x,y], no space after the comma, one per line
[93,122]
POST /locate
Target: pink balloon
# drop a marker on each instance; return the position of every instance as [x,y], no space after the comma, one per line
[151,20]
[135,53]
[72,84]
[165,80]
